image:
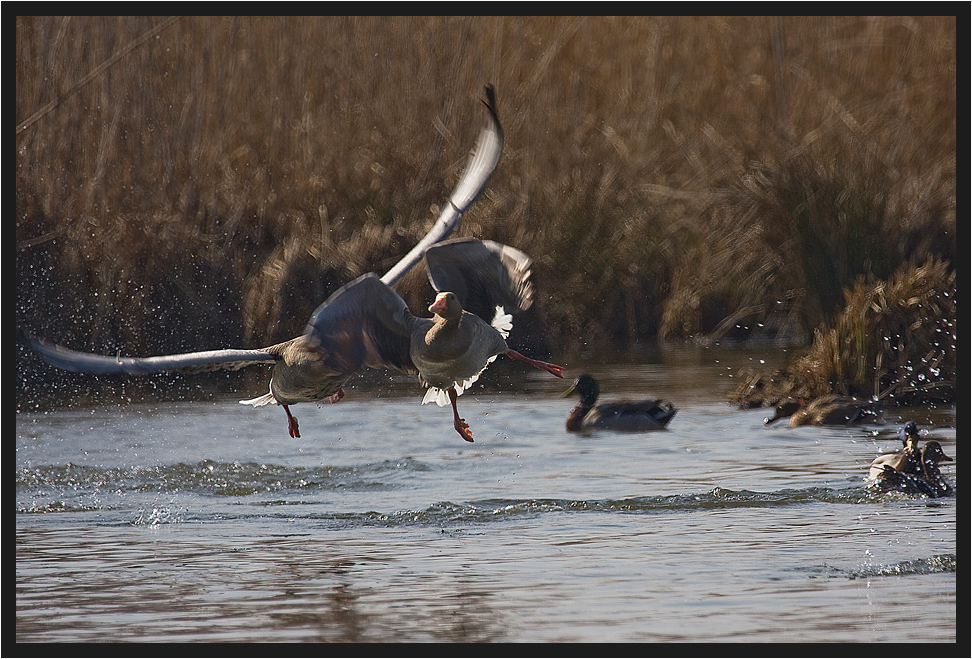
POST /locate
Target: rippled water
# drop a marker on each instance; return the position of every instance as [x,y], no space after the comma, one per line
[205,521]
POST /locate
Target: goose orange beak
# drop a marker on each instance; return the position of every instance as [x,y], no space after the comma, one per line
[439,305]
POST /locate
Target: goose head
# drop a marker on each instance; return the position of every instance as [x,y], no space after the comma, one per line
[446,306]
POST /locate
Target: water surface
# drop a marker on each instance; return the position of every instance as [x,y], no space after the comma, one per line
[205,521]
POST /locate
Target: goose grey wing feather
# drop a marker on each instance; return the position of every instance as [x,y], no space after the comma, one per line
[362,324]
[482,162]
[190,362]
[483,274]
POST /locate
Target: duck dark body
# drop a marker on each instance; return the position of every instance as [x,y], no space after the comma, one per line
[910,470]
[827,410]
[929,482]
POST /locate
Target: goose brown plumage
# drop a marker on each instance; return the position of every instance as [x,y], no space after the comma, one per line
[365,323]
[451,353]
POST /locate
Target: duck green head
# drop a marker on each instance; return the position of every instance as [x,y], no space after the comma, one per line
[586,387]
[910,435]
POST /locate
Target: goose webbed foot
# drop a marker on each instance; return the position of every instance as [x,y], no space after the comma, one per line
[292,423]
[461,426]
[333,398]
[463,429]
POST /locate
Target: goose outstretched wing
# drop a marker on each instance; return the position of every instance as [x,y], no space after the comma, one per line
[189,362]
[483,274]
[482,162]
[363,324]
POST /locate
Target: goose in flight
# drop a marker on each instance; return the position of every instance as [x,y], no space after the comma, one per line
[366,324]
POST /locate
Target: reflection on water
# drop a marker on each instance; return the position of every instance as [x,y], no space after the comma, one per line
[206,522]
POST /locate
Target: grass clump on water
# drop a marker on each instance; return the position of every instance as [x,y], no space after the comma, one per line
[894,341]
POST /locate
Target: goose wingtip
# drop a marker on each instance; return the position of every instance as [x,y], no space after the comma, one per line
[490,100]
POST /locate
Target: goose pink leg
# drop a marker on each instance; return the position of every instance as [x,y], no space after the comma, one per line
[461,426]
[291,423]
[292,426]
[546,366]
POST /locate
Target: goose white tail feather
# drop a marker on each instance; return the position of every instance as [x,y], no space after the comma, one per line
[502,322]
[260,401]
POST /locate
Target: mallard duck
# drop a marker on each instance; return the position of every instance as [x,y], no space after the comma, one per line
[784,409]
[929,481]
[366,324]
[827,410]
[907,460]
[931,456]
[621,415]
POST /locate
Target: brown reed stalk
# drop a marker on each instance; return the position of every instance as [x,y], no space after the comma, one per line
[224,175]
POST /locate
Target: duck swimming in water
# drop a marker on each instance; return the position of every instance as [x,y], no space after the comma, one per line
[929,481]
[931,456]
[827,410]
[366,323]
[635,416]
[907,460]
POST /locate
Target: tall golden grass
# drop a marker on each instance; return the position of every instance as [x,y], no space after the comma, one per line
[201,182]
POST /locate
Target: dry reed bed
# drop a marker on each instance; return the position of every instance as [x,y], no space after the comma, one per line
[893,341]
[672,177]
